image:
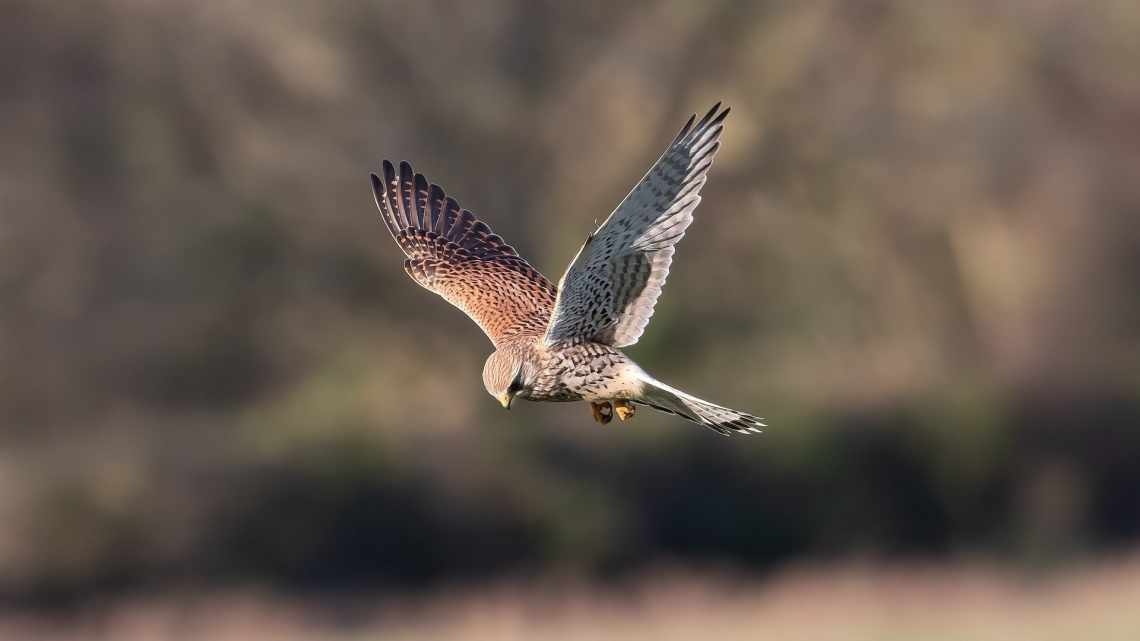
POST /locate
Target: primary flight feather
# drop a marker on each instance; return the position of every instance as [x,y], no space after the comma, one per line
[561,343]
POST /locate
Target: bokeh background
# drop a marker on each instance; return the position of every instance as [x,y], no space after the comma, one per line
[226,413]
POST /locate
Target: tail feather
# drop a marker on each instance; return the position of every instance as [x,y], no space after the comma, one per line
[719,419]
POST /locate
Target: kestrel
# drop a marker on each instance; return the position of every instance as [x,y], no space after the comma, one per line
[562,343]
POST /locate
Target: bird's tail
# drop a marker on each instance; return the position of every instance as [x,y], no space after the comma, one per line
[723,420]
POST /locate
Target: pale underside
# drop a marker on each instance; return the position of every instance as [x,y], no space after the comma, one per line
[604,300]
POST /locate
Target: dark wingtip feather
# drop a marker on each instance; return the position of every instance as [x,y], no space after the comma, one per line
[685,130]
[419,198]
[380,197]
[403,195]
[411,206]
[436,201]
[406,171]
[392,195]
[724,114]
[709,116]
[712,118]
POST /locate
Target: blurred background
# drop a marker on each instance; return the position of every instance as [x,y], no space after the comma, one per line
[226,413]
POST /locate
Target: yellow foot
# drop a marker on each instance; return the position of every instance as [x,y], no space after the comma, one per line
[603,412]
[624,409]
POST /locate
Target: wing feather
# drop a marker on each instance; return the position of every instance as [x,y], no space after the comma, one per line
[454,254]
[609,291]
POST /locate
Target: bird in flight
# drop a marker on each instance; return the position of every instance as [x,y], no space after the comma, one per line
[563,343]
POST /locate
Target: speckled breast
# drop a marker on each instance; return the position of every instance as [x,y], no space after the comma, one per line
[585,371]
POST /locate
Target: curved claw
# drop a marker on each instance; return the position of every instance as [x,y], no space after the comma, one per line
[603,412]
[624,410]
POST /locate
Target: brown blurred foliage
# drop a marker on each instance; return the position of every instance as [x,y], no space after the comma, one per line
[849,602]
[918,256]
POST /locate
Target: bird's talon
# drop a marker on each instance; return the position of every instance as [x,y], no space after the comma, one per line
[603,412]
[624,410]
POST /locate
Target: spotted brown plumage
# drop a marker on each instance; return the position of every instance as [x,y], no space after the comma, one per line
[456,255]
[561,344]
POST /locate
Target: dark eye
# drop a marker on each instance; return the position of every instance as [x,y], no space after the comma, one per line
[516,384]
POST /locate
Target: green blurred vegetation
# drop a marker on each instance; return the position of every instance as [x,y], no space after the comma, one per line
[918,256]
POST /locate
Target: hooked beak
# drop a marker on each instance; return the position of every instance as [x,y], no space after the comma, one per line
[505,400]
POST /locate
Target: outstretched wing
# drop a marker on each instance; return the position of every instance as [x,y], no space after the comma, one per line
[608,292]
[456,255]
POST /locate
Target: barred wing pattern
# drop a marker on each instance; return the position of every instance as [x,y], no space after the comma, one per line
[609,290]
[456,255]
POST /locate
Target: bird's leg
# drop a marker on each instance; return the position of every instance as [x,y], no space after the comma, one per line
[603,412]
[624,410]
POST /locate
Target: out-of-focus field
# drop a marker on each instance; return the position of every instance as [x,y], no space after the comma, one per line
[850,603]
[917,256]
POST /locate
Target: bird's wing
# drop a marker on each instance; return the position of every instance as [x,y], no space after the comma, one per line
[456,255]
[608,292]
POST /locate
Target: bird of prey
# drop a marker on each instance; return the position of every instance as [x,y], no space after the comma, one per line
[563,343]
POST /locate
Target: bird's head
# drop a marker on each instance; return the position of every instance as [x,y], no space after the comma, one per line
[506,375]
